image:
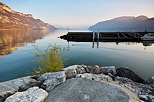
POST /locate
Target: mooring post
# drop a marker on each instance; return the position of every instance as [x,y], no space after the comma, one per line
[98,35]
[93,44]
[97,43]
[93,34]
[98,39]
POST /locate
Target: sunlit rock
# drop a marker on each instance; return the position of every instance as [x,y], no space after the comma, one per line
[71,71]
[34,94]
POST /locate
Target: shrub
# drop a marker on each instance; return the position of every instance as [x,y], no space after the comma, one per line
[50,60]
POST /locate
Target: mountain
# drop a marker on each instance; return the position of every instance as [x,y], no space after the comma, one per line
[126,22]
[10,19]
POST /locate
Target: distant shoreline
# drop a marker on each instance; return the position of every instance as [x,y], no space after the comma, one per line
[19,29]
[12,29]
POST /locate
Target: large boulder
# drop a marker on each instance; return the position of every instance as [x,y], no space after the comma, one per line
[50,80]
[84,90]
[127,73]
[34,94]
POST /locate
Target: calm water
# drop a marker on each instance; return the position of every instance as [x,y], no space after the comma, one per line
[16,48]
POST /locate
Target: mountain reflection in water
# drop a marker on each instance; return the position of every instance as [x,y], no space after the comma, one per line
[12,39]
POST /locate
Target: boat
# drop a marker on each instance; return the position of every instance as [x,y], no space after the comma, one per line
[148,37]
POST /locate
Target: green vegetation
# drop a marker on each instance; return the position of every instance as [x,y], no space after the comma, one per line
[50,60]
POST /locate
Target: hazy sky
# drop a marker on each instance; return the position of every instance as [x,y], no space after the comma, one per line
[81,12]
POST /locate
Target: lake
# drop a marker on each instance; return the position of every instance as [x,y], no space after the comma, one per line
[17,47]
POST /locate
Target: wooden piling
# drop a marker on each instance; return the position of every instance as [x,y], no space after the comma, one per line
[98,35]
[93,35]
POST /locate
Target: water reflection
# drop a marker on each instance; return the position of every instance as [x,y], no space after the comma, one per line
[130,54]
[148,43]
[145,43]
[97,44]
[11,40]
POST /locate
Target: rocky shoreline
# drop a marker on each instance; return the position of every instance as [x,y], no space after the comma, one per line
[80,83]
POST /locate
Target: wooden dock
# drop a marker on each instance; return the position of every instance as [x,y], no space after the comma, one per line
[104,36]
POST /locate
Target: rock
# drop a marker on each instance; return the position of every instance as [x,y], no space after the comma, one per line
[108,69]
[137,88]
[112,76]
[50,80]
[81,69]
[95,69]
[147,98]
[127,73]
[135,101]
[4,95]
[34,94]
[151,98]
[59,75]
[83,90]
[144,97]
[150,81]
[50,84]
[29,85]
[99,77]
[35,77]
[86,69]
[70,71]
[13,85]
